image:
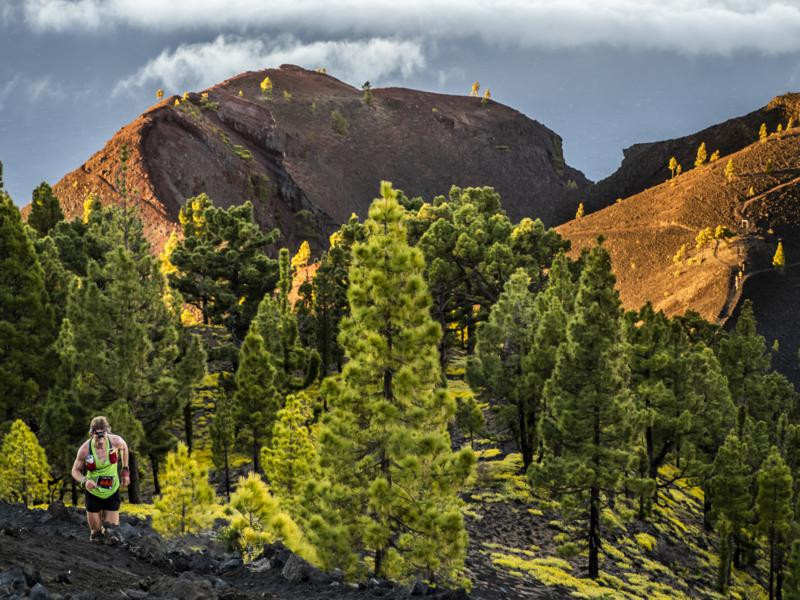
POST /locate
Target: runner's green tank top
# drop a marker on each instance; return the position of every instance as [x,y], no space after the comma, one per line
[105,474]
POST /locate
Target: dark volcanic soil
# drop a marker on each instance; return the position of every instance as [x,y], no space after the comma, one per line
[315,152]
[51,549]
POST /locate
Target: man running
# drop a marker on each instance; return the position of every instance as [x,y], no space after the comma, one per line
[99,457]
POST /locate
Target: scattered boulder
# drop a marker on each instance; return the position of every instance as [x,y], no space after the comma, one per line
[297,569]
[39,592]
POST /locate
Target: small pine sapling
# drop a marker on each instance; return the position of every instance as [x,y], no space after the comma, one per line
[701,155]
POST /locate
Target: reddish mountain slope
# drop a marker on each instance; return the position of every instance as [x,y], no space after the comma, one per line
[760,205]
[306,169]
[645,165]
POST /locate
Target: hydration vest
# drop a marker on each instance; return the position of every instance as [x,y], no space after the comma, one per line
[104,474]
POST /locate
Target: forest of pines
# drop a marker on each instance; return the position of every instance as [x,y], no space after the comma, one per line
[318,407]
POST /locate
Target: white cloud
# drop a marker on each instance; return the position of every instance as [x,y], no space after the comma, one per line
[6,88]
[30,90]
[197,66]
[686,26]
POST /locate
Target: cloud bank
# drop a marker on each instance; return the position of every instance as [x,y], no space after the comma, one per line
[200,65]
[686,26]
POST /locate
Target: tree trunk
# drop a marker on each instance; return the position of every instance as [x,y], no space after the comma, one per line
[133,488]
[378,563]
[227,478]
[779,574]
[154,465]
[256,452]
[772,565]
[594,523]
[187,424]
[525,445]
[74,491]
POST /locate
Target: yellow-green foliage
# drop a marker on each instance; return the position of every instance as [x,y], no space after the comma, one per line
[779,259]
[646,541]
[762,133]
[580,212]
[257,519]
[242,152]
[24,471]
[505,476]
[680,255]
[339,123]
[291,459]
[186,496]
[701,155]
[714,156]
[703,237]
[730,170]
[611,520]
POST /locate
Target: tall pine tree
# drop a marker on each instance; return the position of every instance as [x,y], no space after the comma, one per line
[45,210]
[774,511]
[257,402]
[390,500]
[591,411]
[222,265]
[26,320]
[504,341]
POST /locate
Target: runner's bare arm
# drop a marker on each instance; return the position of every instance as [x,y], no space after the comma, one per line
[122,448]
[77,466]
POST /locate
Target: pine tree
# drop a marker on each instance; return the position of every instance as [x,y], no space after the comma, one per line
[714,156]
[774,510]
[730,170]
[730,495]
[580,212]
[186,496]
[256,400]
[592,416]
[497,366]
[673,166]
[303,256]
[553,307]
[256,519]
[329,290]
[779,259]
[291,459]
[266,87]
[45,210]
[681,391]
[24,472]
[26,321]
[223,434]
[471,248]
[701,155]
[762,133]
[389,495]
[223,268]
[746,362]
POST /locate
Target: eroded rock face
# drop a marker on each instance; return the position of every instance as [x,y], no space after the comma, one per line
[313,151]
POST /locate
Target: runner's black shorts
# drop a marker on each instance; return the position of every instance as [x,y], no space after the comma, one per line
[95,504]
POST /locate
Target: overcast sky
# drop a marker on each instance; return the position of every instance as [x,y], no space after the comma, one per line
[603,74]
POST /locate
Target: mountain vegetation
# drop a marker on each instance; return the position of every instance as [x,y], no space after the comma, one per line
[441,395]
